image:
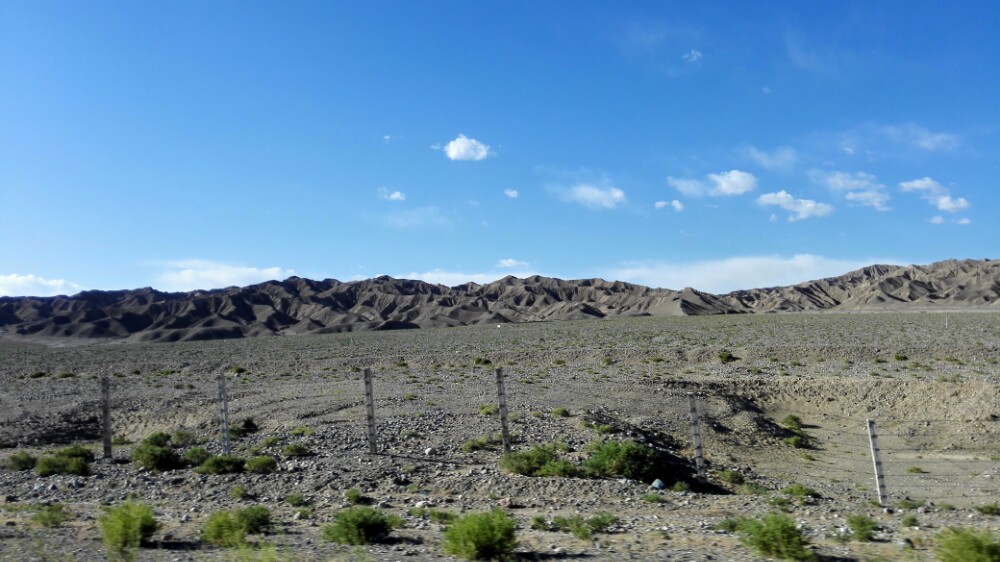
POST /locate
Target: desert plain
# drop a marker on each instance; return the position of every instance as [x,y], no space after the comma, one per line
[929,380]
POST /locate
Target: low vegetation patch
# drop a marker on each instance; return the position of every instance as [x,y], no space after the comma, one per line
[358,526]
[862,527]
[52,515]
[20,461]
[775,535]
[481,536]
[222,464]
[262,465]
[125,528]
[964,545]
[68,460]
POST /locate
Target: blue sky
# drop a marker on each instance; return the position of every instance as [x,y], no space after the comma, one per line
[186,145]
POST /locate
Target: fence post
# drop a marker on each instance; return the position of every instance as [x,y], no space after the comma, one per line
[370,407]
[106,414]
[224,415]
[879,474]
[699,458]
[502,398]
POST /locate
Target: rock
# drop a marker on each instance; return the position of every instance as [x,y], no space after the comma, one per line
[658,485]
[905,544]
[429,451]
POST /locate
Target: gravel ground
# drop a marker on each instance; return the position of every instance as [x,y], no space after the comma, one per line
[932,388]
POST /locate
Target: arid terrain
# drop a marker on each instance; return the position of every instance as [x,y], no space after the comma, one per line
[931,382]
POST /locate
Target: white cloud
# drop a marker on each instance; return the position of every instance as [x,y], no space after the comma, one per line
[963,221]
[453,278]
[389,138]
[801,208]
[781,158]
[675,204]
[189,275]
[731,274]
[919,137]
[862,189]
[724,184]
[15,285]
[511,193]
[937,220]
[693,56]
[595,197]
[511,263]
[416,218]
[393,196]
[935,194]
[465,148]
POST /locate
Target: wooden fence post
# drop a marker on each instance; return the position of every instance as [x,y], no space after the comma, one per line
[227,446]
[879,473]
[699,457]
[106,414]
[502,398]
[370,408]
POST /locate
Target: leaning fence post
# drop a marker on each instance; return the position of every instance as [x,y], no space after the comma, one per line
[106,414]
[699,458]
[224,415]
[879,473]
[502,398]
[370,408]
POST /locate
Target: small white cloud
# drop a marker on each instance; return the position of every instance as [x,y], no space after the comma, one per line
[417,218]
[937,220]
[692,57]
[781,158]
[862,189]
[595,197]
[963,221]
[453,278]
[935,194]
[919,137]
[724,184]
[15,285]
[511,263]
[391,196]
[801,208]
[511,193]
[190,275]
[730,274]
[675,204]
[389,138]
[465,148]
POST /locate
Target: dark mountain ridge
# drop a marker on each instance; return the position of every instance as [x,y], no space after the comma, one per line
[299,306]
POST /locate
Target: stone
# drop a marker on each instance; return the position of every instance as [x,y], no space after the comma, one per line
[658,485]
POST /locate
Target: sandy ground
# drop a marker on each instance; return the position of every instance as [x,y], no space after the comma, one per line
[931,382]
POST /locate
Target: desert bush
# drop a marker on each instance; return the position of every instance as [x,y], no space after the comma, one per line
[223,529]
[238,492]
[989,508]
[726,357]
[475,444]
[223,464]
[488,409]
[730,477]
[256,519]
[354,496]
[560,412]
[907,503]
[262,465]
[196,456]
[909,521]
[295,500]
[529,462]
[481,536]
[158,439]
[295,450]
[155,457]
[792,422]
[965,545]
[51,515]
[862,527]
[302,431]
[20,461]
[557,467]
[775,536]
[622,458]
[183,439]
[800,491]
[357,526]
[125,528]
[58,464]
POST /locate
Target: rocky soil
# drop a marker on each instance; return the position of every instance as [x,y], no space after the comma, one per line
[931,382]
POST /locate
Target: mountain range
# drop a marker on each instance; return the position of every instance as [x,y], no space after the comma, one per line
[301,306]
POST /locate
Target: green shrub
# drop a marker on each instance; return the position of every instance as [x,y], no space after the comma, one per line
[730,477]
[622,458]
[560,412]
[51,515]
[196,456]
[262,465]
[529,462]
[775,536]
[20,461]
[223,529]
[57,464]
[862,527]
[156,458]
[989,508]
[158,439]
[295,500]
[489,410]
[727,357]
[800,491]
[481,536]
[907,503]
[256,520]
[183,439]
[796,442]
[732,524]
[223,464]
[295,450]
[475,444]
[238,492]
[357,526]
[270,441]
[354,496]
[964,545]
[126,527]
[557,467]
[909,521]
[302,430]
[792,422]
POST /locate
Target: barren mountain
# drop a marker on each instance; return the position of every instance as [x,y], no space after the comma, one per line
[297,306]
